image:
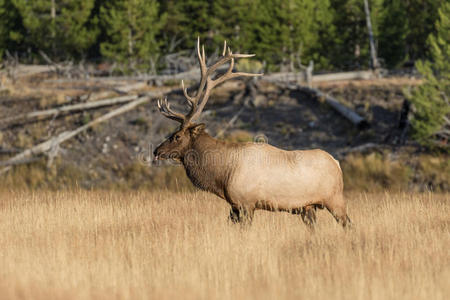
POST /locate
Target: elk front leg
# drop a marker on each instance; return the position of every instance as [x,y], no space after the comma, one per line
[242,215]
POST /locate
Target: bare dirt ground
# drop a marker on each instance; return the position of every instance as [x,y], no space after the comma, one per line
[162,245]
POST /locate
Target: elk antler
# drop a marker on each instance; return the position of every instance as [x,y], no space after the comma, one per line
[198,102]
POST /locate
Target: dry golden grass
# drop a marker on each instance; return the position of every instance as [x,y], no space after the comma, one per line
[163,245]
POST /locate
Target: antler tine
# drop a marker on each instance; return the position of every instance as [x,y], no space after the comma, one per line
[227,56]
[189,98]
[203,54]
[198,50]
[164,108]
[206,84]
[193,101]
[224,48]
[229,71]
[211,84]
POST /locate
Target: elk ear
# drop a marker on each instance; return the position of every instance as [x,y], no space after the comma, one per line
[197,129]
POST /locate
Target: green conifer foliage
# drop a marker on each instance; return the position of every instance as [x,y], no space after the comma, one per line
[350,45]
[187,20]
[277,31]
[59,28]
[11,29]
[404,29]
[234,20]
[431,118]
[131,27]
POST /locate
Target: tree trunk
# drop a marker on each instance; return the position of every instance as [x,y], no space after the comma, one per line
[360,122]
[53,16]
[373,51]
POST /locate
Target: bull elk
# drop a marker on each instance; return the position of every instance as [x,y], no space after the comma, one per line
[250,176]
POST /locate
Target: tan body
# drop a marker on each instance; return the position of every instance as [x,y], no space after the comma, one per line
[253,176]
[250,176]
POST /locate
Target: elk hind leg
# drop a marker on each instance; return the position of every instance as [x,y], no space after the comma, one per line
[338,209]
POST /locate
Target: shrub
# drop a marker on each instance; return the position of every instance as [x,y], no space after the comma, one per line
[431,119]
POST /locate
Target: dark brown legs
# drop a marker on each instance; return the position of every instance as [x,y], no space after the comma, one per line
[308,215]
[344,220]
[241,215]
[340,214]
[244,215]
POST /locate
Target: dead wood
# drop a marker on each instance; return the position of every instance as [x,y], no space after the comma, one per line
[9,151]
[54,142]
[68,108]
[346,112]
[130,87]
[232,121]
[189,75]
[121,90]
[248,94]
[81,107]
[301,77]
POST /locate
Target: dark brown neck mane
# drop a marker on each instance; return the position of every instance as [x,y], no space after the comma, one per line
[207,163]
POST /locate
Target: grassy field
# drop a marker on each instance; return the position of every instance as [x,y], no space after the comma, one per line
[163,245]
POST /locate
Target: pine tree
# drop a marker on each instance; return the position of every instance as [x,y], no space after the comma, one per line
[172,33]
[187,20]
[131,27]
[394,28]
[350,46]
[431,99]
[277,31]
[233,21]
[60,28]
[11,29]
[312,30]
[405,27]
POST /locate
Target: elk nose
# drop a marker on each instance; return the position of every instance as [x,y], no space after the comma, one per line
[155,155]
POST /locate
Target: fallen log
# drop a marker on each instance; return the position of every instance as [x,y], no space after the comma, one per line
[121,90]
[232,120]
[248,94]
[9,151]
[300,76]
[66,135]
[346,112]
[130,87]
[69,108]
[356,75]
[80,107]
[193,74]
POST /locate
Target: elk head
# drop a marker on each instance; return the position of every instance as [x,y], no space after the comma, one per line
[181,140]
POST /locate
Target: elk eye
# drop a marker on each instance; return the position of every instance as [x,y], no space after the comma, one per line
[177,138]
